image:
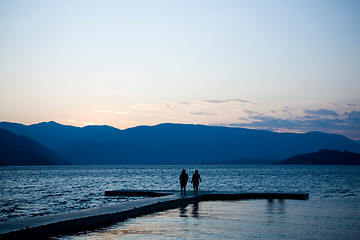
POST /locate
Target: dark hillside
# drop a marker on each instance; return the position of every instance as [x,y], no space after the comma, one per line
[21,150]
[325,157]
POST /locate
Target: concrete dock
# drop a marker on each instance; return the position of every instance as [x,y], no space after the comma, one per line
[43,227]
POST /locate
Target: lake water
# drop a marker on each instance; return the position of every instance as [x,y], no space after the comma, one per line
[332,212]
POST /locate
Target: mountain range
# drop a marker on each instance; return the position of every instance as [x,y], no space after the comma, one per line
[176,143]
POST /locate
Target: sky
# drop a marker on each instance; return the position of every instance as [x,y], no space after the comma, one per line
[284,66]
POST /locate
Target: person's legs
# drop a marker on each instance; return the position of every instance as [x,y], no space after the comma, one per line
[196,187]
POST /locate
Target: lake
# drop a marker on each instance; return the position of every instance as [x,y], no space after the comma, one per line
[332,212]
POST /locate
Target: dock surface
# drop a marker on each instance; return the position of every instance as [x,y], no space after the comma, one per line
[42,227]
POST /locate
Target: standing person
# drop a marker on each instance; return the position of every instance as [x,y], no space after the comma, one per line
[195,181]
[183,180]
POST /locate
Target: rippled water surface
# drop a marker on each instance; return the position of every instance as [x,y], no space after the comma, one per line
[332,212]
[251,219]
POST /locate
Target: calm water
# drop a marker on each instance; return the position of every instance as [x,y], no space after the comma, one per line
[332,212]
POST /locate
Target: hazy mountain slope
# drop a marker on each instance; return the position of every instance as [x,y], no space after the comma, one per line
[21,150]
[178,143]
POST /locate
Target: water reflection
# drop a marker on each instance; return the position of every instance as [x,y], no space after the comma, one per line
[183,211]
[194,213]
[276,210]
[252,219]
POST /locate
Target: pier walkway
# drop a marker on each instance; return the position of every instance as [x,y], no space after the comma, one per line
[43,227]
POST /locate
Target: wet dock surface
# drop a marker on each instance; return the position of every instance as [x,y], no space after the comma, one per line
[43,227]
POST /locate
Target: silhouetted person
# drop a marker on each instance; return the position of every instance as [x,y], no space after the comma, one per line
[183,180]
[195,181]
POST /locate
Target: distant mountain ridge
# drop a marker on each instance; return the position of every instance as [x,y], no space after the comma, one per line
[325,157]
[176,143]
[55,135]
[21,150]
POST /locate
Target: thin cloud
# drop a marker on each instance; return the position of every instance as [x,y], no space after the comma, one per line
[332,104]
[342,105]
[352,117]
[266,122]
[123,113]
[287,110]
[321,112]
[228,100]
[352,105]
[252,113]
[202,113]
[347,123]
[183,103]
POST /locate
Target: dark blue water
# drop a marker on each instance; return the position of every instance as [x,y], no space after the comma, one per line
[332,212]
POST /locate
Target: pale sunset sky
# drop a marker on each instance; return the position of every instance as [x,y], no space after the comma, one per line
[285,66]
